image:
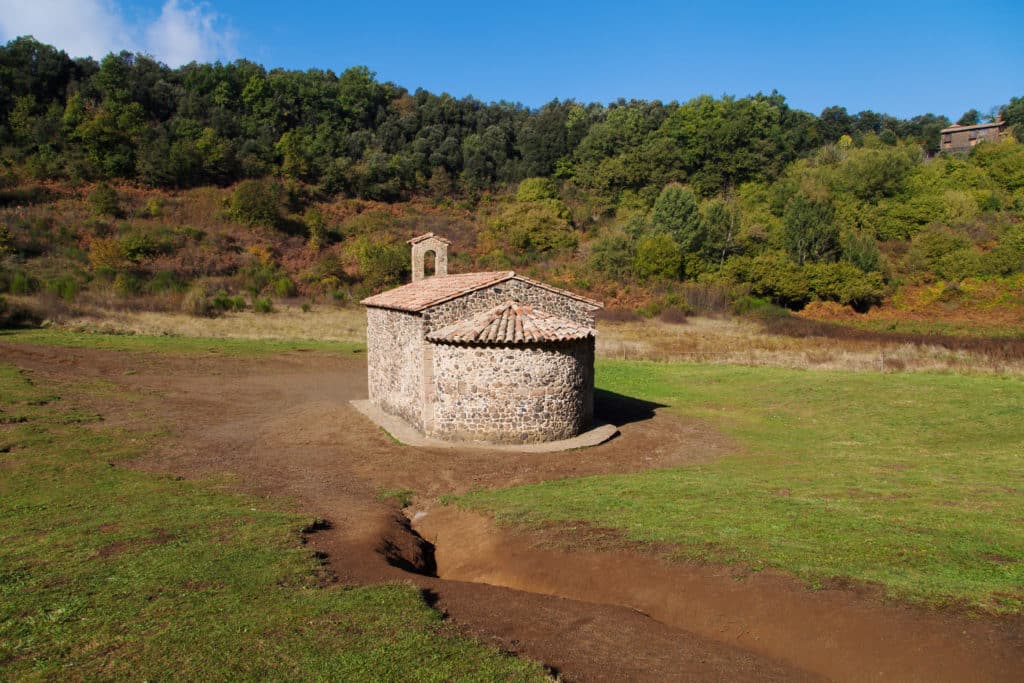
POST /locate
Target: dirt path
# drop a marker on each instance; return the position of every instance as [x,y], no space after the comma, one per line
[283,427]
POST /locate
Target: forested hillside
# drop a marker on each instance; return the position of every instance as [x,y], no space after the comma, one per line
[201,183]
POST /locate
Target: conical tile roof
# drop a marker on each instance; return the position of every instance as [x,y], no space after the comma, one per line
[511,323]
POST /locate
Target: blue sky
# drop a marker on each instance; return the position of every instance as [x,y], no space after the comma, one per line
[901,58]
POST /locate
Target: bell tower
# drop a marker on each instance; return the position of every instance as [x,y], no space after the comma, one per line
[421,246]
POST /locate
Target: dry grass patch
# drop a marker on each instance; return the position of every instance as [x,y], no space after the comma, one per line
[746,342]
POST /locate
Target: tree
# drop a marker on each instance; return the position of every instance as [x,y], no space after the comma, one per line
[721,221]
[256,202]
[970,117]
[658,257]
[676,212]
[809,230]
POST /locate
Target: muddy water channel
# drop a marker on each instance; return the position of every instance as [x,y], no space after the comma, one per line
[841,634]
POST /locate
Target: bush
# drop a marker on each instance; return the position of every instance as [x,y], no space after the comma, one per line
[845,283]
[612,255]
[537,189]
[773,275]
[154,207]
[64,287]
[105,254]
[263,304]
[103,201]
[1004,259]
[658,257]
[256,202]
[284,287]
[958,265]
[197,301]
[757,307]
[534,228]
[127,284]
[381,264]
[316,228]
[22,284]
[164,281]
[221,302]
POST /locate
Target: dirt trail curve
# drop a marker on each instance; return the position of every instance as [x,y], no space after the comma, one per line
[284,427]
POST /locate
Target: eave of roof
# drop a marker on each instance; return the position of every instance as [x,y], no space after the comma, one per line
[511,323]
[418,296]
[977,126]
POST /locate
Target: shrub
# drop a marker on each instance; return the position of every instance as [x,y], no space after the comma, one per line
[758,307]
[64,287]
[861,249]
[316,228]
[127,284]
[284,287]
[103,201]
[105,254]
[537,189]
[958,265]
[137,247]
[197,301]
[164,281]
[22,284]
[658,257]
[381,264]
[154,207]
[773,275]
[612,255]
[1004,259]
[256,202]
[845,283]
[534,228]
[262,304]
[221,301]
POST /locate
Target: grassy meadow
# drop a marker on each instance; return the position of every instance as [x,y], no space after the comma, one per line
[914,481]
[110,573]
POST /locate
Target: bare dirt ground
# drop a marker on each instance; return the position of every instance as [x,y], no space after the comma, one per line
[283,428]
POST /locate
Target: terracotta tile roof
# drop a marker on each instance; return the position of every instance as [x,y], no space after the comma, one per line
[431,291]
[422,294]
[511,323]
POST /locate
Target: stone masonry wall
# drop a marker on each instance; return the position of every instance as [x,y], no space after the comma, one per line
[394,359]
[438,316]
[512,394]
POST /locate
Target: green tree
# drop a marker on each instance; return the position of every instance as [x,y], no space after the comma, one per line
[256,202]
[677,213]
[970,117]
[658,257]
[103,201]
[809,230]
[721,221]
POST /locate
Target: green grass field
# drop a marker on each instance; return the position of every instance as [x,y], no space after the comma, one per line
[913,481]
[110,573]
[172,344]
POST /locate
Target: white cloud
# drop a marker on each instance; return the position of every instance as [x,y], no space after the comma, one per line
[185,34]
[184,31]
[79,27]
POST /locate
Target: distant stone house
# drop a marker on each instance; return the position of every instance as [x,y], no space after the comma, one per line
[962,138]
[490,356]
